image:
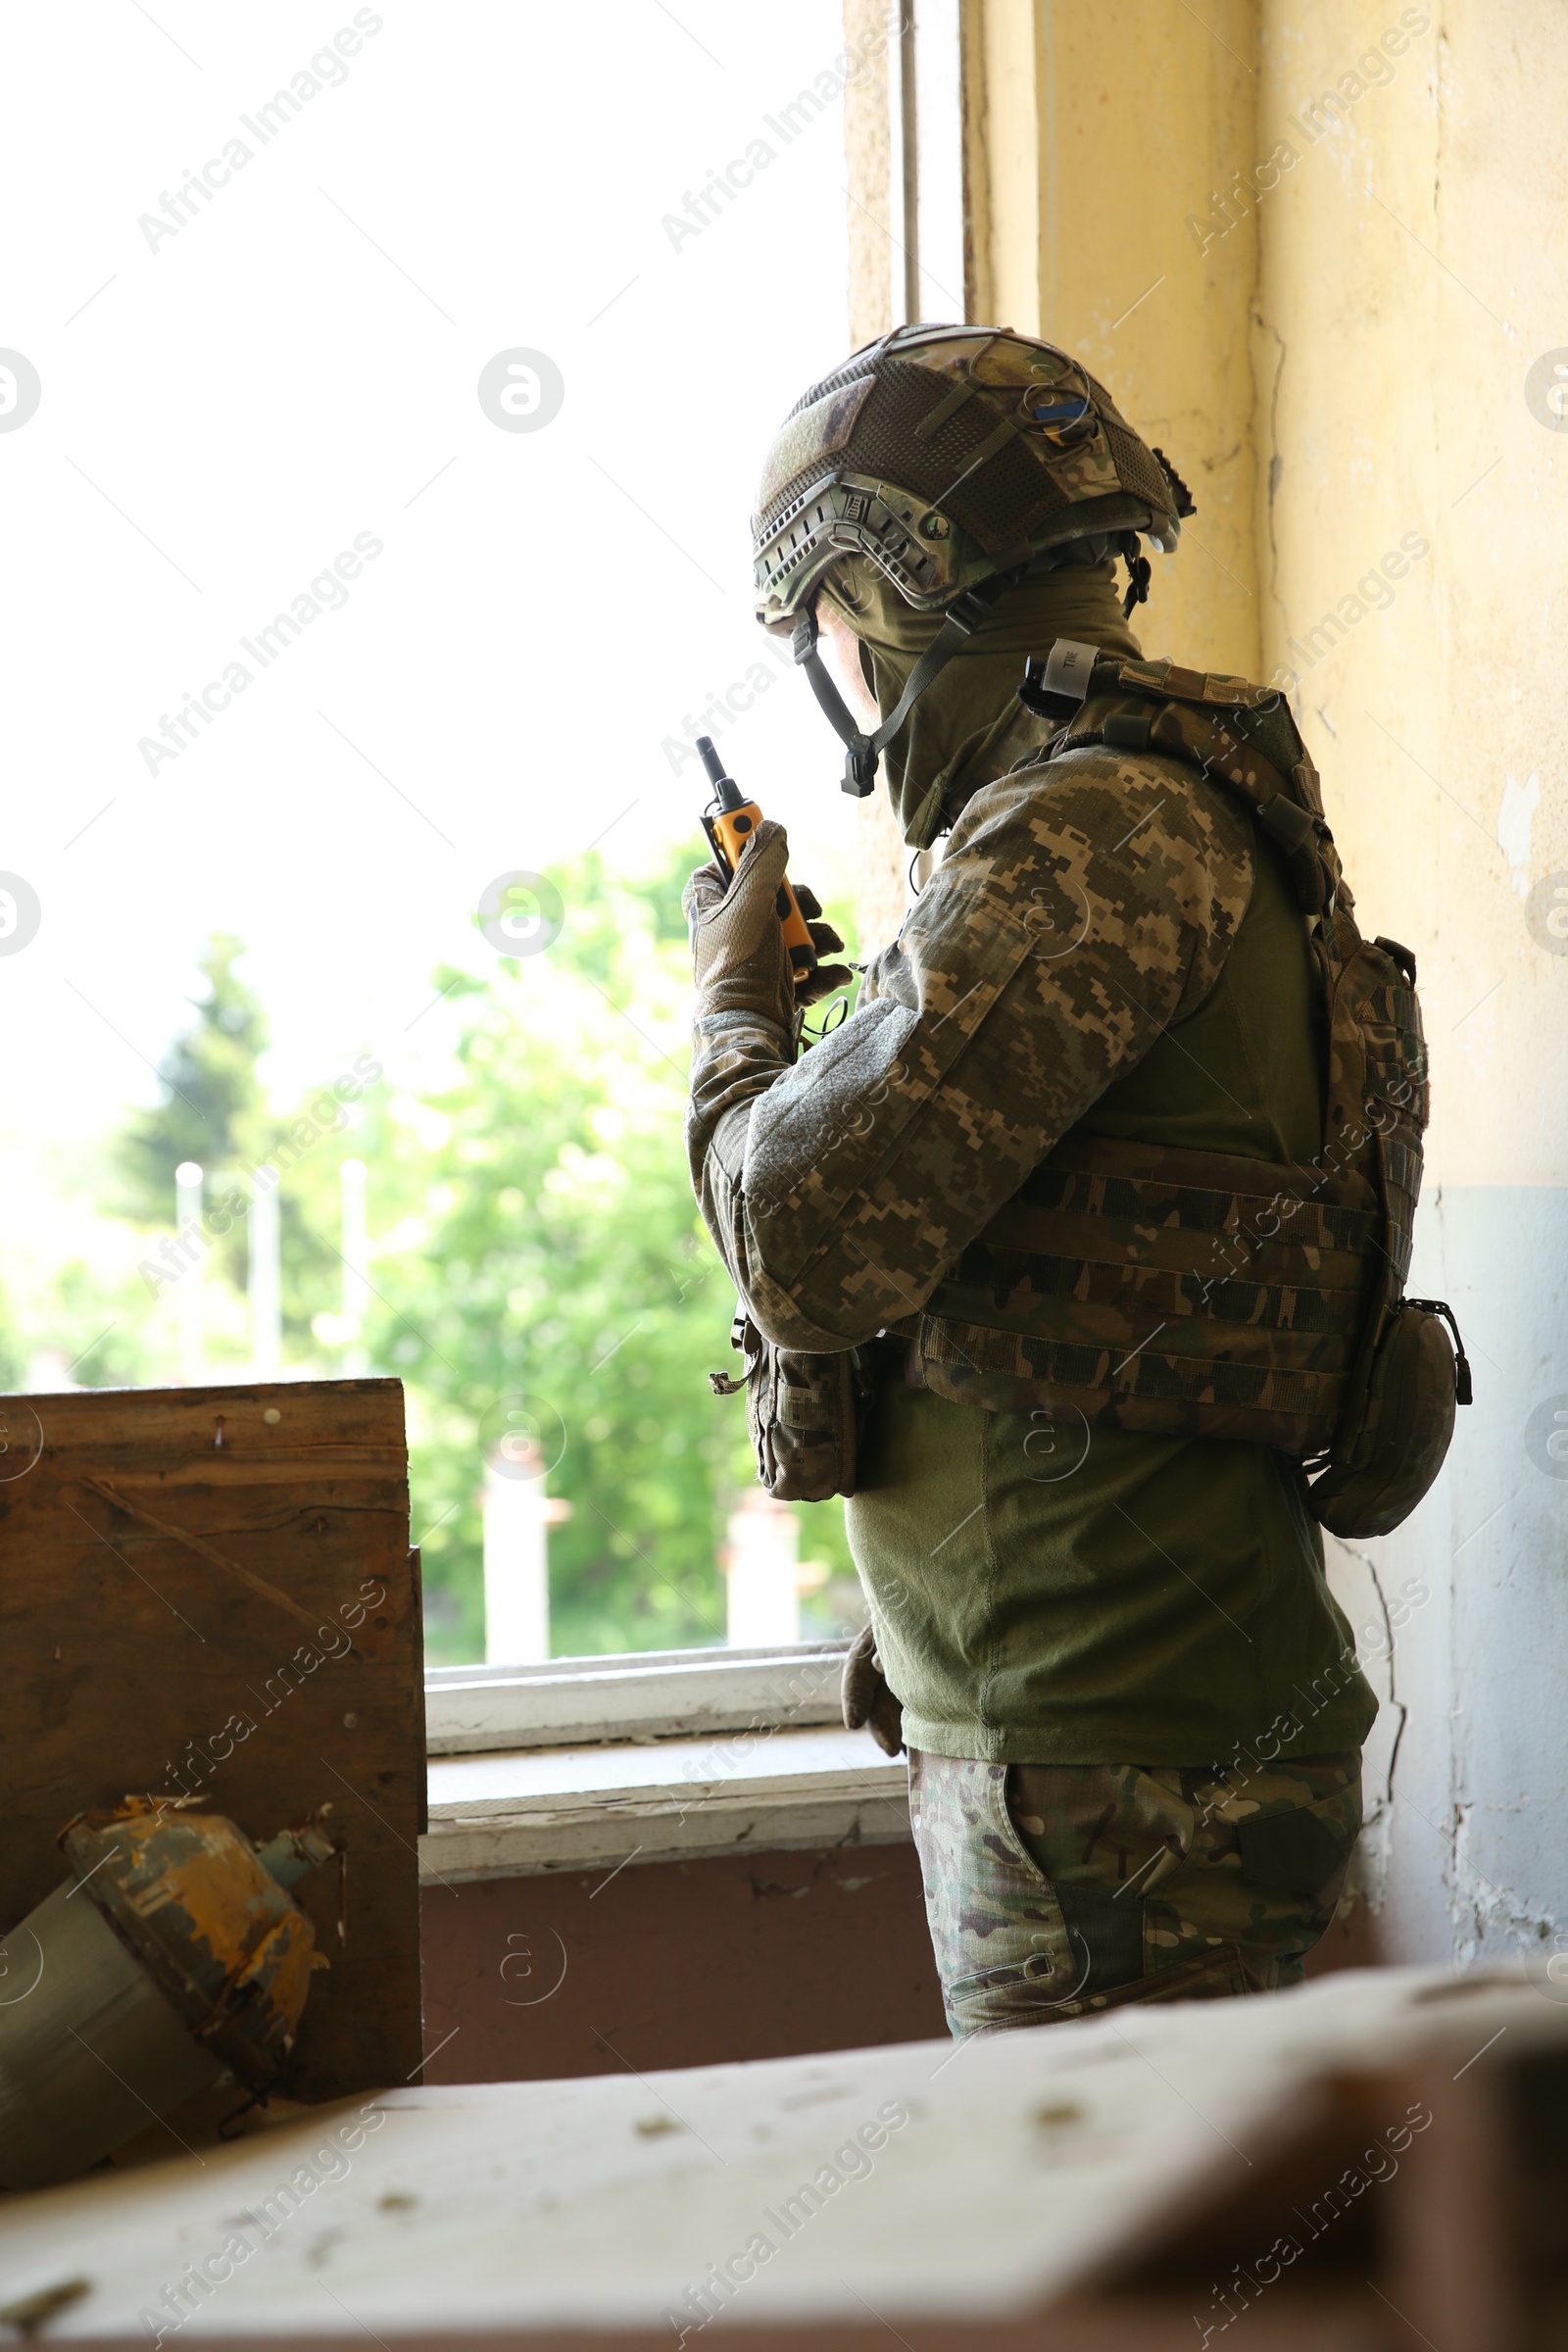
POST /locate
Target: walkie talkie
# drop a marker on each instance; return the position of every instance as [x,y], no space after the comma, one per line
[729,821]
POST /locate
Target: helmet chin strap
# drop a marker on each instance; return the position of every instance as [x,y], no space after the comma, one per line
[864,752]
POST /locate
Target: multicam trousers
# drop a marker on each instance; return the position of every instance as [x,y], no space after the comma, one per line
[1055,1890]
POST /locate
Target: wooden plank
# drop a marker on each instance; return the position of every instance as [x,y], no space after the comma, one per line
[210,1591]
[276,1470]
[1102,2186]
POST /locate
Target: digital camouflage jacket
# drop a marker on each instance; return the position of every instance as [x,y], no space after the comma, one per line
[1109,944]
[1079,911]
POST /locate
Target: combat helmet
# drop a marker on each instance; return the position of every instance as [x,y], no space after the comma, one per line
[957,459]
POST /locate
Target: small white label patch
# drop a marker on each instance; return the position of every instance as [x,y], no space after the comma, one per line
[1067,669]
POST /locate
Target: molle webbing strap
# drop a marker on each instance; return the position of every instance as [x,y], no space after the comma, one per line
[1192,1293]
[935,419]
[964,389]
[1146,1287]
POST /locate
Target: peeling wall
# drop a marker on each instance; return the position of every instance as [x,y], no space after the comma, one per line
[1353,215]
[1411,267]
[1317,250]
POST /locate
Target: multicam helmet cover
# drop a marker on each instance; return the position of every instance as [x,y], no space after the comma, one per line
[947,455]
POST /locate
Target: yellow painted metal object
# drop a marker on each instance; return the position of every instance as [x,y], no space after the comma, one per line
[210,1917]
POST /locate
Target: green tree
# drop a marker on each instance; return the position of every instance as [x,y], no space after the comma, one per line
[211,1109]
[536,1251]
[12,1346]
[95,1327]
[310,1145]
[211,1093]
[559,1270]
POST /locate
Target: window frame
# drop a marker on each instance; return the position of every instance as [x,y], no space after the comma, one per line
[632,1696]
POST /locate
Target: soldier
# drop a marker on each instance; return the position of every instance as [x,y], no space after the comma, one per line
[1108,1183]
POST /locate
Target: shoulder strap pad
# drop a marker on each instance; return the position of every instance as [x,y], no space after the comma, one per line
[1209,687]
[1240,736]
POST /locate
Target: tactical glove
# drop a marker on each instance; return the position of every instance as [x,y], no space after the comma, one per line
[867,1701]
[739,958]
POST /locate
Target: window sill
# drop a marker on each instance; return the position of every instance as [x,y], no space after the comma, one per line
[589,1763]
[530,1811]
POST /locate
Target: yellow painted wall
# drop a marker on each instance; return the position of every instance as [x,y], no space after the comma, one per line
[1317,250]
[1098,130]
[1092,133]
[866,143]
[1413,270]
[880,853]
[1353,218]
[1412,274]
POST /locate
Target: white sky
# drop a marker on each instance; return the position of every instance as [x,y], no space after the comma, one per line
[265,386]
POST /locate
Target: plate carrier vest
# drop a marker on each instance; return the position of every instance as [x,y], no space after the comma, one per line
[1187,1292]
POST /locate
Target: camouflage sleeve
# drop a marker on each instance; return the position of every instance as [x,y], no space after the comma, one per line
[1076,915]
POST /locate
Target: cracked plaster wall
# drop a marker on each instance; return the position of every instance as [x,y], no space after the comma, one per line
[1332,349]
[1409,272]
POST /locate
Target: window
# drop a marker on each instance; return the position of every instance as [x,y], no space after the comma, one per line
[600,1761]
[379,526]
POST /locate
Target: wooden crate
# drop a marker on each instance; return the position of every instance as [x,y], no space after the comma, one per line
[211,1591]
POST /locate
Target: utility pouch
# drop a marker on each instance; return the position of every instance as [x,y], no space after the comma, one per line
[1382,1464]
[805,1412]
